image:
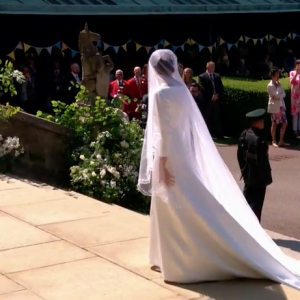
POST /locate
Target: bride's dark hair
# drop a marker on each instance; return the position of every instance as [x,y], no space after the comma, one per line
[164,65]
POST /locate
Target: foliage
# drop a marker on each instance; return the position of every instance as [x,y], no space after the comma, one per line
[243,95]
[7,77]
[7,111]
[105,168]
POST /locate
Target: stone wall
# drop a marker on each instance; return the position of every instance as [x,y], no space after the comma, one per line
[46,148]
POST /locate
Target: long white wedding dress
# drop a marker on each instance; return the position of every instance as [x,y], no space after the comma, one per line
[202,228]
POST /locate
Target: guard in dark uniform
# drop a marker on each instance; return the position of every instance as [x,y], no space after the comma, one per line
[253,158]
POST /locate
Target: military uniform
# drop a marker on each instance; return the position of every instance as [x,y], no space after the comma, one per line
[253,159]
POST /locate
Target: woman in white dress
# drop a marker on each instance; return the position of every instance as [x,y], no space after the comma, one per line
[202,228]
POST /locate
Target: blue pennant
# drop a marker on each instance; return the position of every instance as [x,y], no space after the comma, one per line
[229,46]
[73,53]
[57,45]
[200,47]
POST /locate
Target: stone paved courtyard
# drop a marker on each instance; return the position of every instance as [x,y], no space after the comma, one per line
[58,245]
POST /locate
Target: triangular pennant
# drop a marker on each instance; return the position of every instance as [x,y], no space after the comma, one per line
[26,47]
[148,49]
[64,47]
[105,46]
[200,47]
[138,47]
[19,46]
[271,37]
[236,44]
[285,39]
[38,50]
[182,46]
[116,48]
[166,44]
[156,47]
[210,49]
[290,35]
[247,39]
[49,49]
[278,41]
[162,42]
[241,39]
[221,42]
[73,52]
[193,42]
[58,45]
[254,41]
[267,37]
[125,47]
[261,40]
[229,46]
[12,55]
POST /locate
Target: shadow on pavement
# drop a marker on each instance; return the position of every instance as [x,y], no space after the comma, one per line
[293,245]
[238,290]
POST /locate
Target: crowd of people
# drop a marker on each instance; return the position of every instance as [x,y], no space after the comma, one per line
[39,89]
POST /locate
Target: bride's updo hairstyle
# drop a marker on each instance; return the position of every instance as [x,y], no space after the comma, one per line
[163,62]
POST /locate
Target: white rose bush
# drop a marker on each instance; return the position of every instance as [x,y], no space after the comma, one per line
[10,147]
[105,167]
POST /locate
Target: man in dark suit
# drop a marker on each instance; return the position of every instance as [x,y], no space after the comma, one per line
[212,90]
[196,93]
[72,77]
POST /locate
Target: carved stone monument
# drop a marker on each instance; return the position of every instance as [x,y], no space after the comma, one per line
[95,67]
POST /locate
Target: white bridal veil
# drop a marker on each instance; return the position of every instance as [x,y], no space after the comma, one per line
[176,134]
[176,130]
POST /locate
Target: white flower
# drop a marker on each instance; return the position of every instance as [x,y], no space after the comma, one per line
[94,174]
[124,144]
[92,163]
[113,184]
[117,174]
[93,144]
[98,156]
[111,169]
[102,173]
[82,157]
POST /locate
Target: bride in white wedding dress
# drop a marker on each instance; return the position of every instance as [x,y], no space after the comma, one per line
[202,228]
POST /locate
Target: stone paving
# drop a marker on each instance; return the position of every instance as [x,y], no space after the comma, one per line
[58,245]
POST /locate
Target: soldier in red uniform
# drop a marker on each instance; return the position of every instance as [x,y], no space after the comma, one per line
[137,87]
[117,84]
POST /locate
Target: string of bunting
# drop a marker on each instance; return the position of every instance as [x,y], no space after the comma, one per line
[62,46]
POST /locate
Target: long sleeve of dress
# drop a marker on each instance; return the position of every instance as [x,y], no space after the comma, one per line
[164,119]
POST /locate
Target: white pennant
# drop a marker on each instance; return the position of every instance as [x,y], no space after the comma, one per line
[49,49]
[182,47]
[246,39]
[38,50]
[105,46]
[20,46]
[278,41]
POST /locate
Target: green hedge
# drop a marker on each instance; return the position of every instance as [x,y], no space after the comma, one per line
[243,95]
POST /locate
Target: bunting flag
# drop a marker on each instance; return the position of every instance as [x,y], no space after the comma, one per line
[138,47]
[219,41]
[166,43]
[26,47]
[73,52]
[105,46]
[125,47]
[222,42]
[12,55]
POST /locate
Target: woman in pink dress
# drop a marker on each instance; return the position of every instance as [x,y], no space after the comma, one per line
[295,97]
